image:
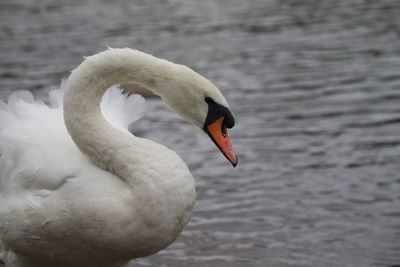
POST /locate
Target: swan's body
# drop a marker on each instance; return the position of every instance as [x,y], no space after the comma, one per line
[85,192]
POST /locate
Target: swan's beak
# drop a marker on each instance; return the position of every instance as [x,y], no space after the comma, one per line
[219,135]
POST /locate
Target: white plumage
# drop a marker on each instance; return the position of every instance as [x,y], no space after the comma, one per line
[26,125]
[103,196]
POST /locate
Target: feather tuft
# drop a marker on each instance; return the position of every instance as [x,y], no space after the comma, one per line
[119,109]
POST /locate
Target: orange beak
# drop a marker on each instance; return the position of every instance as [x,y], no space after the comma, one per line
[219,134]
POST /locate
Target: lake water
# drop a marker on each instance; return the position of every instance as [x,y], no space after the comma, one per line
[315,89]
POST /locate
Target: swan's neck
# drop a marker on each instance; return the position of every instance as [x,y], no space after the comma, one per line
[87,84]
[162,187]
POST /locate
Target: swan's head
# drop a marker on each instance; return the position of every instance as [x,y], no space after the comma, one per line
[200,102]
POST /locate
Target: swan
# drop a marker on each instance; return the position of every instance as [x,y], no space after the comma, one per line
[76,187]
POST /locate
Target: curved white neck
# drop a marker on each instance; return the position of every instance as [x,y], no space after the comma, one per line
[87,84]
[162,187]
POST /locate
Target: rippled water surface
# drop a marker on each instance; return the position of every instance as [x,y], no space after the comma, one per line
[315,89]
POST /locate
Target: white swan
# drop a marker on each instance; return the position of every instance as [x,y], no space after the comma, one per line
[85,193]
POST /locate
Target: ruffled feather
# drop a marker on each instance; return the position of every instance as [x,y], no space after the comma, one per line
[119,109]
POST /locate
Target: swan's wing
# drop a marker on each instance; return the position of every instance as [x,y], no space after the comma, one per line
[33,139]
[121,110]
[36,151]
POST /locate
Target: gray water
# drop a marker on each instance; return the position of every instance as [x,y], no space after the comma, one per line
[315,89]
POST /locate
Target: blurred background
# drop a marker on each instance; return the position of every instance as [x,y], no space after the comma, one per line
[315,89]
